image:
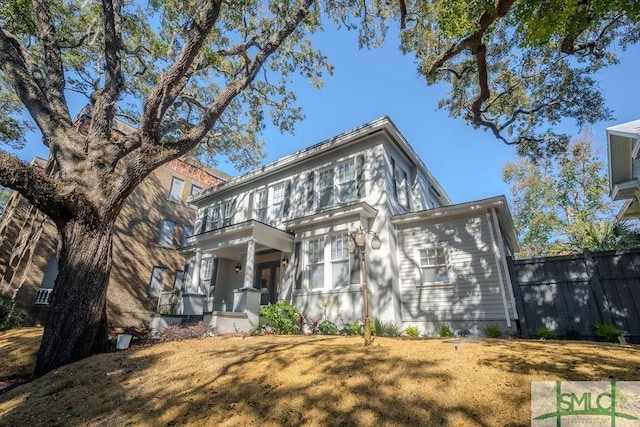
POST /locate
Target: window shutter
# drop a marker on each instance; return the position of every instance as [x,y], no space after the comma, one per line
[407,187]
[362,186]
[287,196]
[393,178]
[310,189]
[297,265]
[251,209]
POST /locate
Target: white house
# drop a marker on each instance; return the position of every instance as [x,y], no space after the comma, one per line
[280,232]
[623,149]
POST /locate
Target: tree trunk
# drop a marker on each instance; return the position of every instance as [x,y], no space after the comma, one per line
[76,324]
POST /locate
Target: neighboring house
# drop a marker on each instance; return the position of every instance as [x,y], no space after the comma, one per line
[279,233]
[623,147]
[155,220]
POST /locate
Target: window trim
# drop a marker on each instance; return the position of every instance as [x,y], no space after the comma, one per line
[336,184]
[161,237]
[171,197]
[162,270]
[447,264]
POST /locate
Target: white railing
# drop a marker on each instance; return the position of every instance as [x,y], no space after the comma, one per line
[170,302]
[43,296]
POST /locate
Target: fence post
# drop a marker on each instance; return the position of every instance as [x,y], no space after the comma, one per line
[596,289]
[522,315]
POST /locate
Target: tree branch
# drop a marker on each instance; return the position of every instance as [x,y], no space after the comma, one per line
[173,80]
[53,63]
[103,109]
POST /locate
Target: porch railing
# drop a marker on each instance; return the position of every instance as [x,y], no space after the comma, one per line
[170,302]
[43,296]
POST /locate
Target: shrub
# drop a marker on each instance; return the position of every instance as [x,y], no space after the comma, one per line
[9,316]
[281,318]
[545,333]
[607,332]
[444,330]
[351,329]
[492,331]
[385,329]
[327,327]
[412,331]
[185,331]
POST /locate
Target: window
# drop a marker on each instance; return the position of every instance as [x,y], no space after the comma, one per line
[261,204]
[187,232]
[213,215]
[277,205]
[226,214]
[347,182]
[195,189]
[206,270]
[315,254]
[340,261]
[166,234]
[325,188]
[433,264]
[156,285]
[175,192]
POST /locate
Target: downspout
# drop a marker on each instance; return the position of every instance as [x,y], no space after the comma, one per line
[503,255]
[495,253]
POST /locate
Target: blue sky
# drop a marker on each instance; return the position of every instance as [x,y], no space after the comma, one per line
[368,84]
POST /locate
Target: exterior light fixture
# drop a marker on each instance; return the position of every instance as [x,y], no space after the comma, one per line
[285,261]
[238,268]
[359,237]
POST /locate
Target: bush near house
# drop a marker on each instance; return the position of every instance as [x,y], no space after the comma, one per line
[385,329]
[444,330]
[492,331]
[607,332]
[280,318]
[545,333]
[412,331]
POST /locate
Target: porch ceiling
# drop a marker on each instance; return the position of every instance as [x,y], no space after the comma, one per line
[229,242]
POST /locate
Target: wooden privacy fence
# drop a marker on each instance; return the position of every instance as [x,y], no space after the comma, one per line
[570,294]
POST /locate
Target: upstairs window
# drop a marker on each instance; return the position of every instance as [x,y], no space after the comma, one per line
[400,184]
[325,188]
[346,182]
[166,233]
[277,205]
[433,264]
[226,213]
[175,191]
[261,205]
[337,185]
[195,189]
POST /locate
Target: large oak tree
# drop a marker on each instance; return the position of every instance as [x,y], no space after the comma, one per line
[187,74]
[515,68]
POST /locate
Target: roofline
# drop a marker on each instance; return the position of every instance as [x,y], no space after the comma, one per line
[497,202]
[381,124]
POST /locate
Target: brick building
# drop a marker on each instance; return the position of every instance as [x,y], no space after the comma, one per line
[154,221]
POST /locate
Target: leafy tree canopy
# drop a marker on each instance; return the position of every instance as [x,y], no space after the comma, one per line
[516,68]
[560,203]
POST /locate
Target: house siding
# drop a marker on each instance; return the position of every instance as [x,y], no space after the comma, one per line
[473,295]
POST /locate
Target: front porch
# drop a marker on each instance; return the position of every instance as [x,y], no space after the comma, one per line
[231,273]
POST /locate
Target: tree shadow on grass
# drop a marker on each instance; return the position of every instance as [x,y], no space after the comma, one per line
[277,380]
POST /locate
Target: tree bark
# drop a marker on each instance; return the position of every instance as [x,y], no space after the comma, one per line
[76,324]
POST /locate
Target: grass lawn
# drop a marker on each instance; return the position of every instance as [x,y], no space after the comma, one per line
[303,380]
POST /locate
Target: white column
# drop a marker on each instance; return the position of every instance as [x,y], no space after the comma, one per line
[250,263]
[192,288]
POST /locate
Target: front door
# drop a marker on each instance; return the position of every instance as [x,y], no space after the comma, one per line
[267,278]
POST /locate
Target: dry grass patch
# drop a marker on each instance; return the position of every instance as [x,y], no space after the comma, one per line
[277,380]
